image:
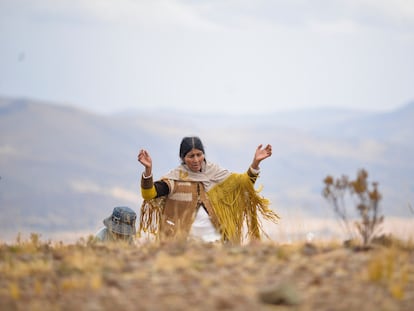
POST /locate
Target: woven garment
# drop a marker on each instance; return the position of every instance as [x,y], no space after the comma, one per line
[229,198]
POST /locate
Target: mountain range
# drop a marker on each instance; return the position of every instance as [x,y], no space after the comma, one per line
[63,169]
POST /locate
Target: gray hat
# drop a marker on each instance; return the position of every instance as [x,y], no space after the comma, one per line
[121,221]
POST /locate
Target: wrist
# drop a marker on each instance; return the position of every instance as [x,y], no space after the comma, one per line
[255,165]
[147,174]
[254,171]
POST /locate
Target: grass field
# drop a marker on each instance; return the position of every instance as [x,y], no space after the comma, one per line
[86,275]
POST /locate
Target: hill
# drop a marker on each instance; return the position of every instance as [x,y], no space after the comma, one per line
[63,169]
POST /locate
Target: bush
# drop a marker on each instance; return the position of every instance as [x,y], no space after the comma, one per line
[366,201]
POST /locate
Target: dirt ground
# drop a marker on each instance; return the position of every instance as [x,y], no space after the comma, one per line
[199,276]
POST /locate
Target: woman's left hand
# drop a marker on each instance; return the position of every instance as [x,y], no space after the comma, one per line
[261,154]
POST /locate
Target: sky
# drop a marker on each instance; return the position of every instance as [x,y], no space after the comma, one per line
[215,56]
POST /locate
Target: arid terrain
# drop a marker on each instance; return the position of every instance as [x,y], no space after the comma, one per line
[85,275]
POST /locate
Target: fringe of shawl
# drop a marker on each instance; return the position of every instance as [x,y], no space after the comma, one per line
[150,216]
[236,202]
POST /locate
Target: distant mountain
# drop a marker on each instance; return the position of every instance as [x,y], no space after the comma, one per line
[64,169]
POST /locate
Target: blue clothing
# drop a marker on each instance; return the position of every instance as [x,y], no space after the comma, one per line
[104,235]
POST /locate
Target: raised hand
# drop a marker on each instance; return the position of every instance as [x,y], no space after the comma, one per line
[261,154]
[145,159]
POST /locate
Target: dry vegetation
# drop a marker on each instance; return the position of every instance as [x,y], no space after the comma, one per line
[366,203]
[38,275]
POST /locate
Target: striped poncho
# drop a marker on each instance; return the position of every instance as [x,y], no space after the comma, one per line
[232,202]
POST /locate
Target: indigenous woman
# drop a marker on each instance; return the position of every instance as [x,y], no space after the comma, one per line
[201,200]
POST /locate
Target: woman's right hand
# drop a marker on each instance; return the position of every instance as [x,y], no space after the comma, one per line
[145,159]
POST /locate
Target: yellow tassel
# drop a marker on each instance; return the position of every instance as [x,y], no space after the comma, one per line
[236,202]
[150,215]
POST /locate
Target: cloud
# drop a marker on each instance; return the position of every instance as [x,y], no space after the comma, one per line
[147,12]
[143,13]
[339,15]
[381,14]
[7,150]
[86,186]
[396,10]
[344,26]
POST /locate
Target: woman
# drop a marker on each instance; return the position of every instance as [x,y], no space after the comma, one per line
[201,200]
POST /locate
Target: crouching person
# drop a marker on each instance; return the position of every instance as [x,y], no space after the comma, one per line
[120,226]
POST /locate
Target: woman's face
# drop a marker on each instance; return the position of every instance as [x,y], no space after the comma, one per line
[194,159]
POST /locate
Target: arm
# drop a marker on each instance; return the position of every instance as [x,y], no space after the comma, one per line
[145,159]
[259,156]
[149,189]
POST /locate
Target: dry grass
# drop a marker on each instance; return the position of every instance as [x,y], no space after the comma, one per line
[263,276]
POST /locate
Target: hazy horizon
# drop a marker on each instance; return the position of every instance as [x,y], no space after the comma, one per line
[90,164]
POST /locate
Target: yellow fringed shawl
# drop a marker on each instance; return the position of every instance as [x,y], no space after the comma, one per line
[236,204]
